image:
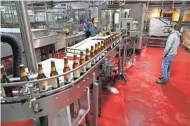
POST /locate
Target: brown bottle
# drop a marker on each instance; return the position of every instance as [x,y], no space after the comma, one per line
[96,49]
[67,78]
[88,66]
[99,50]
[96,52]
[105,43]
[102,45]
[76,73]
[43,84]
[23,77]
[92,55]
[82,61]
[102,48]
[99,47]
[110,43]
[23,74]
[55,82]
[114,37]
[6,91]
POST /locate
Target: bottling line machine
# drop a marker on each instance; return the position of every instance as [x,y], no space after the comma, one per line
[130,17]
[32,104]
[54,106]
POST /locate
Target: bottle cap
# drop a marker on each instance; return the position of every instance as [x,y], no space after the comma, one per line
[39,63]
[21,65]
[2,66]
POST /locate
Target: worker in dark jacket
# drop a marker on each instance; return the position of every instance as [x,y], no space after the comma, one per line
[94,29]
[170,52]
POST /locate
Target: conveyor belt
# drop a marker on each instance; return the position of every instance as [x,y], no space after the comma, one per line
[49,102]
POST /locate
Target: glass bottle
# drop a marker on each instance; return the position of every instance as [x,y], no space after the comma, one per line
[76,73]
[88,66]
[55,82]
[82,61]
[5,91]
[43,84]
[67,78]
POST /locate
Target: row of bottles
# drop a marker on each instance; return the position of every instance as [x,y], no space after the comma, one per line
[43,85]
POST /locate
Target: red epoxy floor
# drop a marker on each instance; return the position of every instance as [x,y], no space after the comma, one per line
[142,102]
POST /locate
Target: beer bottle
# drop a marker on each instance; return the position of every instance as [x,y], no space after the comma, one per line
[67,78]
[92,55]
[23,74]
[82,61]
[105,43]
[99,46]
[99,49]
[23,77]
[88,66]
[102,44]
[55,81]
[76,73]
[5,91]
[102,47]
[2,90]
[96,52]
[96,49]
[111,41]
[43,84]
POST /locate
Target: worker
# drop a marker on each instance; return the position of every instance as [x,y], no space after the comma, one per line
[86,27]
[94,29]
[170,52]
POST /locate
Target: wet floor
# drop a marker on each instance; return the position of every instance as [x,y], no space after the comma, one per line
[142,102]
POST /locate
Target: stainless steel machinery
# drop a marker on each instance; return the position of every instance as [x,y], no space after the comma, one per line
[55,103]
[130,15]
[30,102]
[40,37]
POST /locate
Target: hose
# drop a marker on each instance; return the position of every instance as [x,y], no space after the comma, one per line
[16,49]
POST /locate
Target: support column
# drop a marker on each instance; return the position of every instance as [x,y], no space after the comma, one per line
[182,11]
[47,23]
[26,35]
[95,102]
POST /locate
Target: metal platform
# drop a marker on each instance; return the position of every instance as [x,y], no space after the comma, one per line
[62,42]
[40,38]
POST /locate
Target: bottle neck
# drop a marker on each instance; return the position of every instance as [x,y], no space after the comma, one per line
[66,65]
[40,71]
[82,58]
[53,69]
[75,61]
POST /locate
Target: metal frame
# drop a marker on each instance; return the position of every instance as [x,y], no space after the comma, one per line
[36,105]
[138,14]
